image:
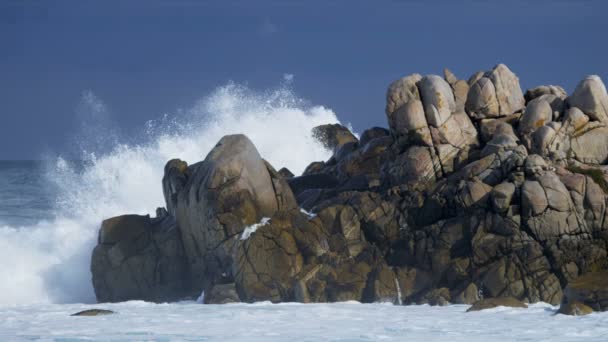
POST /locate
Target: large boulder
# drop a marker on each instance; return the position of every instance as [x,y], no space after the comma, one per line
[140,258]
[399,93]
[437,99]
[590,96]
[495,94]
[231,189]
[537,114]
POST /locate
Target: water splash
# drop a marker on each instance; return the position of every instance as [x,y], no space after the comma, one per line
[49,262]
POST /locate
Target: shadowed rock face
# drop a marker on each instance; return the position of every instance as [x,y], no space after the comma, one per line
[475,191]
[139,258]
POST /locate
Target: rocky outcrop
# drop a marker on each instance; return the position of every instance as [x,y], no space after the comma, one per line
[475,191]
[140,258]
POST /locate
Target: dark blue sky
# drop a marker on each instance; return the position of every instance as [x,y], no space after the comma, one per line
[145,58]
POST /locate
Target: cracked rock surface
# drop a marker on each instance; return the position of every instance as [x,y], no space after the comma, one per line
[475,191]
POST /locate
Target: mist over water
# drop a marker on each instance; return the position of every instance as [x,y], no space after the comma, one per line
[49,261]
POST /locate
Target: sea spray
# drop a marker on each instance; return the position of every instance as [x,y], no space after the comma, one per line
[49,262]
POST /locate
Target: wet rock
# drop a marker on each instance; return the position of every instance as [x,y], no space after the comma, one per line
[175,178]
[333,136]
[574,309]
[490,303]
[222,294]
[94,312]
[464,197]
[590,289]
[140,258]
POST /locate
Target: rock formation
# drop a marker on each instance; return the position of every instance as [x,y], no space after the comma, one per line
[475,191]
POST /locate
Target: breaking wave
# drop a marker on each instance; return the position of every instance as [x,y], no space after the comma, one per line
[49,262]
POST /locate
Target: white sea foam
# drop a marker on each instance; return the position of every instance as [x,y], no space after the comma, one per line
[253,228]
[139,321]
[49,262]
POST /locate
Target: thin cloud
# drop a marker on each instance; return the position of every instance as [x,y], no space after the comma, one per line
[267,28]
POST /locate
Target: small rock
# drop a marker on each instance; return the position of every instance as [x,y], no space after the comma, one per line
[490,303]
[574,309]
[93,312]
[590,289]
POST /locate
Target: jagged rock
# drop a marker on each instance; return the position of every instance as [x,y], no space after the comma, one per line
[286,173]
[366,160]
[440,297]
[490,303]
[175,178]
[372,133]
[314,181]
[423,213]
[333,136]
[475,77]
[469,295]
[418,167]
[140,258]
[267,262]
[412,282]
[314,167]
[461,91]
[449,76]
[590,96]
[382,286]
[502,195]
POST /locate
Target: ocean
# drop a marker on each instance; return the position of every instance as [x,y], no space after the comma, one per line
[50,211]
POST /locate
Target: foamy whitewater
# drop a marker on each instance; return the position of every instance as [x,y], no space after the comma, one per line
[139,321]
[45,265]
